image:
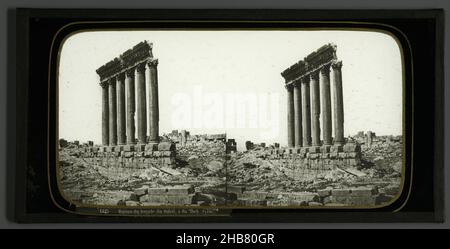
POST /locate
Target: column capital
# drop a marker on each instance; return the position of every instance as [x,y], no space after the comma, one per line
[152,63]
[314,75]
[289,87]
[120,77]
[140,68]
[111,81]
[325,69]
[297,83]
[336,65]
[104,83]
[130,72]
[305,78]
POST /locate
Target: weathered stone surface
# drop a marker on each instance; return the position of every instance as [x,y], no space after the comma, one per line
[139,147]
[141,191]
[325,148]
[251,203]
[352,147]
[128,147]
[203,198]
[236,189]
[151,147]
[164,199]
[166,146]
[132,203]
[315,204]
[340,192]
[336,148]
[383,199]
[177,190]
[324,192]
[364,191]
[366,201]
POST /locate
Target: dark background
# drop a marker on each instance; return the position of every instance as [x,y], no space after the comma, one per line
[8,109]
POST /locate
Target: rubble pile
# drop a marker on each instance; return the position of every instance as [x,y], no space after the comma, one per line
[383,157]
[201,158]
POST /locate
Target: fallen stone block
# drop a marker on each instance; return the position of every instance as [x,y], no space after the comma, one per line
[314,204]
[383,199]
[332,204]
[178,190]
[204,198]
[132,203]
[251,203]
[151,147]
[164,199]
[141,191]
[340,192]
[236,189]
[299,203]
[324,192]
[364,191]
[365,201]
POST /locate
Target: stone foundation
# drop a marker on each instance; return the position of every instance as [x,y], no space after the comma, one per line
[309,163]
[123,160]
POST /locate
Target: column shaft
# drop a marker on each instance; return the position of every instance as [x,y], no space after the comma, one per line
[112,112]
[141,104]
[120,88]
[129,84]
[298,137]
[315,108]
[306,112]
[105,114]
[326,104]
[153,106]
[338,103]
[290,116]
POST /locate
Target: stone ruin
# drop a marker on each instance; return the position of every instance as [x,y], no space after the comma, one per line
[310,113]
[124,77]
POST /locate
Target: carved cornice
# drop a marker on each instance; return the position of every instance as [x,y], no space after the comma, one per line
[138,53]
[336,65]
[152,63]
[109,69]
[104,84]
[140,68]
[318,59]
[129,59]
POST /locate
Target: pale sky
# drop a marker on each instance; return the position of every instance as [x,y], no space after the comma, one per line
[198,71]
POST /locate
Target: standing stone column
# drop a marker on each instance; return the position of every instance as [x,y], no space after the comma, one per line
[298,137]
[306,112]
[153,106]
[290,116]
[326,103]
[105,113]
[120,89]
[338,110]
[315,108]
[141,104]
[112,112]
[129,84]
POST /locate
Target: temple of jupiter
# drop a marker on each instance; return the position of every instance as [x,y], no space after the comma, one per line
[315,107]
[128,140]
